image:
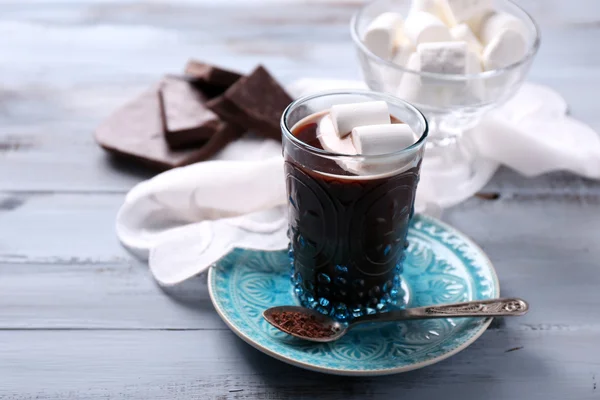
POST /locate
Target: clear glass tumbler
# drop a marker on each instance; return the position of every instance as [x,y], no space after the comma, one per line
[348,214]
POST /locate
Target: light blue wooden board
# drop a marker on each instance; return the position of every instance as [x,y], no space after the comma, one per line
[207,364]
[88,281]
[97,55]
[79,318]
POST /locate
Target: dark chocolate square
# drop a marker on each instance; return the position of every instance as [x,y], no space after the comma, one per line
[187,122]
[210,79]
[135,132]
[255,102]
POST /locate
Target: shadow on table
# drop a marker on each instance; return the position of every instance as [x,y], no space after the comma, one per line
[477,372]
[127,167]
[192,293]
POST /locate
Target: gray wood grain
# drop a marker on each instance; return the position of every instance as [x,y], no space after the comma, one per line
[46,228]
[217,365]
[80,318]
[92,283]
[95,56]
[73,228]
[100,296]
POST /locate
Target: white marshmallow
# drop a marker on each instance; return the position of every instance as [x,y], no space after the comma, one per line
[391,77]
[422,27]
[438,8]
[463,33]
[505,49]
[496,23]
[476,22]
[331,141]
[475,87]
[457,11]
[402,52]
[443,57]
[444,12]
[414,62]
[382,139]
[382,32]
[473,63]
[346,117]
[429,6]
[410,86]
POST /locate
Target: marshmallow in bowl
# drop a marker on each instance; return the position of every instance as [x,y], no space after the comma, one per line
[474,65]
[495,39]
[402,51]
[381,34]
[411,87]
[475,88]
[462,33]
[505,39]
[494,24]
[438,8]
[503,50]
[443,57]
[423,27]
[457,11]
[429,6]
[476,22]
[346,117]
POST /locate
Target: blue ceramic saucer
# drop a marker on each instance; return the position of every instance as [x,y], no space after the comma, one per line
[442,266]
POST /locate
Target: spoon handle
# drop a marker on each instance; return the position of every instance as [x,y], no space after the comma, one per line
[478,308]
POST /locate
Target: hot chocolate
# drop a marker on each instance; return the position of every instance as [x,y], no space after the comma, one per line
[347,231]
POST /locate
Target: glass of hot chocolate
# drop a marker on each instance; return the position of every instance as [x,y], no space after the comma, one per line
[352,163]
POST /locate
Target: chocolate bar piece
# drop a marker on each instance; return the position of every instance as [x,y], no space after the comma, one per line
[255,102]
[210,79]
[135,131]
[187,122]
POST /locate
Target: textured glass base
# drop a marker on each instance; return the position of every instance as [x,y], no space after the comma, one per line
[376,299]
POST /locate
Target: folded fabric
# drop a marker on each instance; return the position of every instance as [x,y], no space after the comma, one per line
[186,219]
[157,209]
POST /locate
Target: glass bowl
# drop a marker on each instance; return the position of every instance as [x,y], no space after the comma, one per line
[451,103]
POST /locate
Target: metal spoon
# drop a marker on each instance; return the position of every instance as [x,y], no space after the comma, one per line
[333,330]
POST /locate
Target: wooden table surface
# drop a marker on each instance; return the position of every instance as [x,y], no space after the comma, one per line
[80,318]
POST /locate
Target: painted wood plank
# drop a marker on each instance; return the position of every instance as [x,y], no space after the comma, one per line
[80,319]
[57,272]
[507,182]
[49,113]
[78,228]
[67,228]
[100,296]
[562,290]
[545,364]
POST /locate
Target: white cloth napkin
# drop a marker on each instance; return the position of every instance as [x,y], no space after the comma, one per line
[186,219]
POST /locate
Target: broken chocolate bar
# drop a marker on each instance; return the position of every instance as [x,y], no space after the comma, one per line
[135,131]
[210,79]
[187,122]
[255,102]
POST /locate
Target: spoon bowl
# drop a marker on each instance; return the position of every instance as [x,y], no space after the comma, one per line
[313,326]
[335,328]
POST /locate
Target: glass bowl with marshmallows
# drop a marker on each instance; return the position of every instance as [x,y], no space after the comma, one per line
[453,59]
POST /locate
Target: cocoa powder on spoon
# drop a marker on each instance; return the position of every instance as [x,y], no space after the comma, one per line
[301,324]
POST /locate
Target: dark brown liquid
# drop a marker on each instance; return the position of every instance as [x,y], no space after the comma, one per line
[347,234]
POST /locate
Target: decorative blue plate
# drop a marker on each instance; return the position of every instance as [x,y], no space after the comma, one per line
[442,266]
